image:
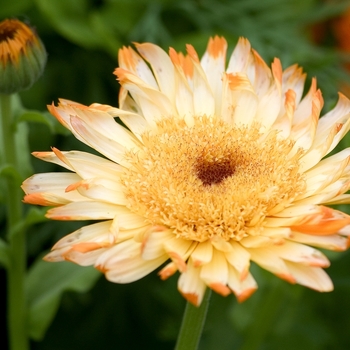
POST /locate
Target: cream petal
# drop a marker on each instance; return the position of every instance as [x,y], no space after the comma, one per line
[167,271]
[341,199]
[98,232]
[311,277]
[242,289]
[299,253]
[318,149]
[153,242]
[322,176]
[215,273]
[179,250]
[213,64]
[153,103]
[202,254]
[239,101]
[277,234]
[293,78]
[48,189]
[99,142]
[240,56]
[203,98]
[269,107]
[183,95]
[85,211]
[297,210]
[331,242]
[304,132]
[132,269]
[338,115]
[239,258]
[271,262]
[86,165]
[53,182]
[102,190]
[131,61]
[284,123]
[162,67]
[97,120]
[84,259]
[262,77]
[126,113]
[191,285]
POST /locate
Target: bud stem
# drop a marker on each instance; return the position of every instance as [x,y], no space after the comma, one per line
[17,310]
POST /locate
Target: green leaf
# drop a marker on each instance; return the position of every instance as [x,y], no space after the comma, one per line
[12,8]
[4,253]
[45,284]
[10,171]
[71,19]
[37,117]
[35,216]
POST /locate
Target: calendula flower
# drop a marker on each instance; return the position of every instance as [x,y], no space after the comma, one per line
[22,56]
[217,166]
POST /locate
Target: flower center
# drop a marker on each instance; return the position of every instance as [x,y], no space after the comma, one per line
[213,173]
[211,179]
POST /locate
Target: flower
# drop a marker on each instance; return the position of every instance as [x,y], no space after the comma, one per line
[22,56]
[215,167]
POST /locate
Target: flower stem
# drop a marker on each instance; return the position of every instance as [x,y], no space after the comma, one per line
[17,312]
[192,324]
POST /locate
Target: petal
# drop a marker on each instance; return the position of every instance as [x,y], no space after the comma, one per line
[240,56]
[272,263]
[242,289]
[48,189]
[190,285]
[331,242]
[99,142]
[215,273]
[153,242]
[179,250]
[100,189]
[213,64]
[86,165]
[202,254]
[327,222]
[300,253]
[203,98]
[239,101]
[183,95]
[162,67]
[154,104]
[311,277]
[86,211]
[239,258]
[126,113]
[131,61]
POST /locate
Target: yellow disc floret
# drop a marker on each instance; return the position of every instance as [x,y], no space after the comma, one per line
[211,179]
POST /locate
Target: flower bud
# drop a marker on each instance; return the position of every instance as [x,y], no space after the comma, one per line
[22,56]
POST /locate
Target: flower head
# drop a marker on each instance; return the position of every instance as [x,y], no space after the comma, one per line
[216,166]
[22,56]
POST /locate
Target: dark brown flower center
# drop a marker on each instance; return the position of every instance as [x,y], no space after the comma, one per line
[211,173]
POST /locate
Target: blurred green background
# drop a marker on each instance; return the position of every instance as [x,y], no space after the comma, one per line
[76,308]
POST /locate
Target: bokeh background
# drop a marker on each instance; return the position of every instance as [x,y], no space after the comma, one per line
[76,308]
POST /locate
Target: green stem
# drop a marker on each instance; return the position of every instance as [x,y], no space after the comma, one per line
[192,324]
[17,312]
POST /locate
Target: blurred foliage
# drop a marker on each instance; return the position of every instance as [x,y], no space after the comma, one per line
[82,38]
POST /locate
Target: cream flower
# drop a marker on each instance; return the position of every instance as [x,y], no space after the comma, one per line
[217,166]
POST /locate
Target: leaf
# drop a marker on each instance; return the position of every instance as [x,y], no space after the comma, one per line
[37,117]
[12,8]
[71,19]
[45,284]
[4,254]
